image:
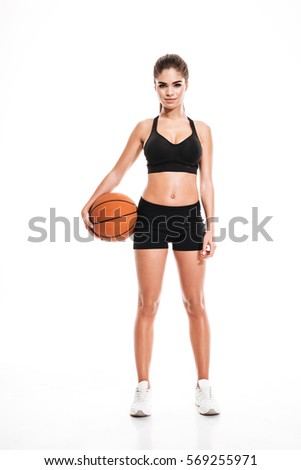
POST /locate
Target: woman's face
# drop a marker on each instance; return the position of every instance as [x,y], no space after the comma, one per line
[170,86]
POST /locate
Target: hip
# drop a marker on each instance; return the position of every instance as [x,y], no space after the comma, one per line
[152,210]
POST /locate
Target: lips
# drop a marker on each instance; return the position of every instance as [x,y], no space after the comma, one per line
[168,99]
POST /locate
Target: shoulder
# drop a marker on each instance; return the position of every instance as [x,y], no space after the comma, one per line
[144,124]
[203,131]
[143,128]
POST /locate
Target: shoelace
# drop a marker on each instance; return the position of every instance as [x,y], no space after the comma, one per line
[204,392]
[140,394]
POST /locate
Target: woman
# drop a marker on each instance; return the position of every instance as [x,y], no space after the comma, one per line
[175,147]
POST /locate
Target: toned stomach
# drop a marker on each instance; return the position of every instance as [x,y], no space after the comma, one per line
[171,188]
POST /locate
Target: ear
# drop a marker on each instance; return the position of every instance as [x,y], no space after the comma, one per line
[186,85]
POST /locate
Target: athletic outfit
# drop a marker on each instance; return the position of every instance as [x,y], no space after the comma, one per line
[158,224]
[163,155]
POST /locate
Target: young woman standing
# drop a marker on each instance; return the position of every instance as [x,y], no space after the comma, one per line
[169,210]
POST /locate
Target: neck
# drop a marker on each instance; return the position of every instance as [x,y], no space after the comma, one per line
[175,113]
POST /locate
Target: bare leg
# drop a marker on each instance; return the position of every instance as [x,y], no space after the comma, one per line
[150,264]
[192,273]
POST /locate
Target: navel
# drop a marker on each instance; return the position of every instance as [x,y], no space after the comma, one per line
[173,195]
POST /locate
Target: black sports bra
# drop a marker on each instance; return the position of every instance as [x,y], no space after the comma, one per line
[163,155]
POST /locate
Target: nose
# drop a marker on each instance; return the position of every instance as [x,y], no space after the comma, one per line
[169,91]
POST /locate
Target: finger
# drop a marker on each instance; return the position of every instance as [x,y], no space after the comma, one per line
[208,247]
[88,222]
[208,250]
[86,219]
[212,250]
[203,249]
[90,230]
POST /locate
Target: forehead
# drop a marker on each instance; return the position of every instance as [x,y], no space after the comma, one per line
[169,76]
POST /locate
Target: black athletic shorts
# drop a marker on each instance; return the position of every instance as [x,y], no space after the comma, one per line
[158,224]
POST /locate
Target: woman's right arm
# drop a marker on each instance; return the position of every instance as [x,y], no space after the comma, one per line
[113,178]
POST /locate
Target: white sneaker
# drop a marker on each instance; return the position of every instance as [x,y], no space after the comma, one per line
[142,405]
[205,399]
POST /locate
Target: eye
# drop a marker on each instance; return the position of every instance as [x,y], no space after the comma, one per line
[176,85]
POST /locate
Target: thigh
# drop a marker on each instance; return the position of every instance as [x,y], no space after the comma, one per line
[191,229]
[150,227]
[192,271]
[150,266]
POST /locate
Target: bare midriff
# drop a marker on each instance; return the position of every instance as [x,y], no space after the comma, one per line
[171,188]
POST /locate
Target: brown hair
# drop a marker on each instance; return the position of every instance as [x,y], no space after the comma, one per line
[168,61]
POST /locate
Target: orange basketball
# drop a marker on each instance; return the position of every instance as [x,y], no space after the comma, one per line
[114,216]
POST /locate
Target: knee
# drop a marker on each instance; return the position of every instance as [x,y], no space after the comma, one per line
[195,305]
[148,307]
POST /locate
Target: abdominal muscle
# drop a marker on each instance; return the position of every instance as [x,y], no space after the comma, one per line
[171,188]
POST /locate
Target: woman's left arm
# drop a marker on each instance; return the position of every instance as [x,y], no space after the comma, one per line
[207,189]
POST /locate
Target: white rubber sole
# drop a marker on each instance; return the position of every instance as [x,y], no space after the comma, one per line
[139,414]
[209,412]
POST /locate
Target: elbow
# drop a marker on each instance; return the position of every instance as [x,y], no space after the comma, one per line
[115,177]
[111,181]
[206,186]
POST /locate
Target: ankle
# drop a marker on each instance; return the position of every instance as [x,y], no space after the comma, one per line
[147,380]
[206,380]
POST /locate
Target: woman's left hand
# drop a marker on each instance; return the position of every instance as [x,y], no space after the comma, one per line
[209,243]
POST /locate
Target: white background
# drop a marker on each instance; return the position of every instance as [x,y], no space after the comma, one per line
[75,79]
